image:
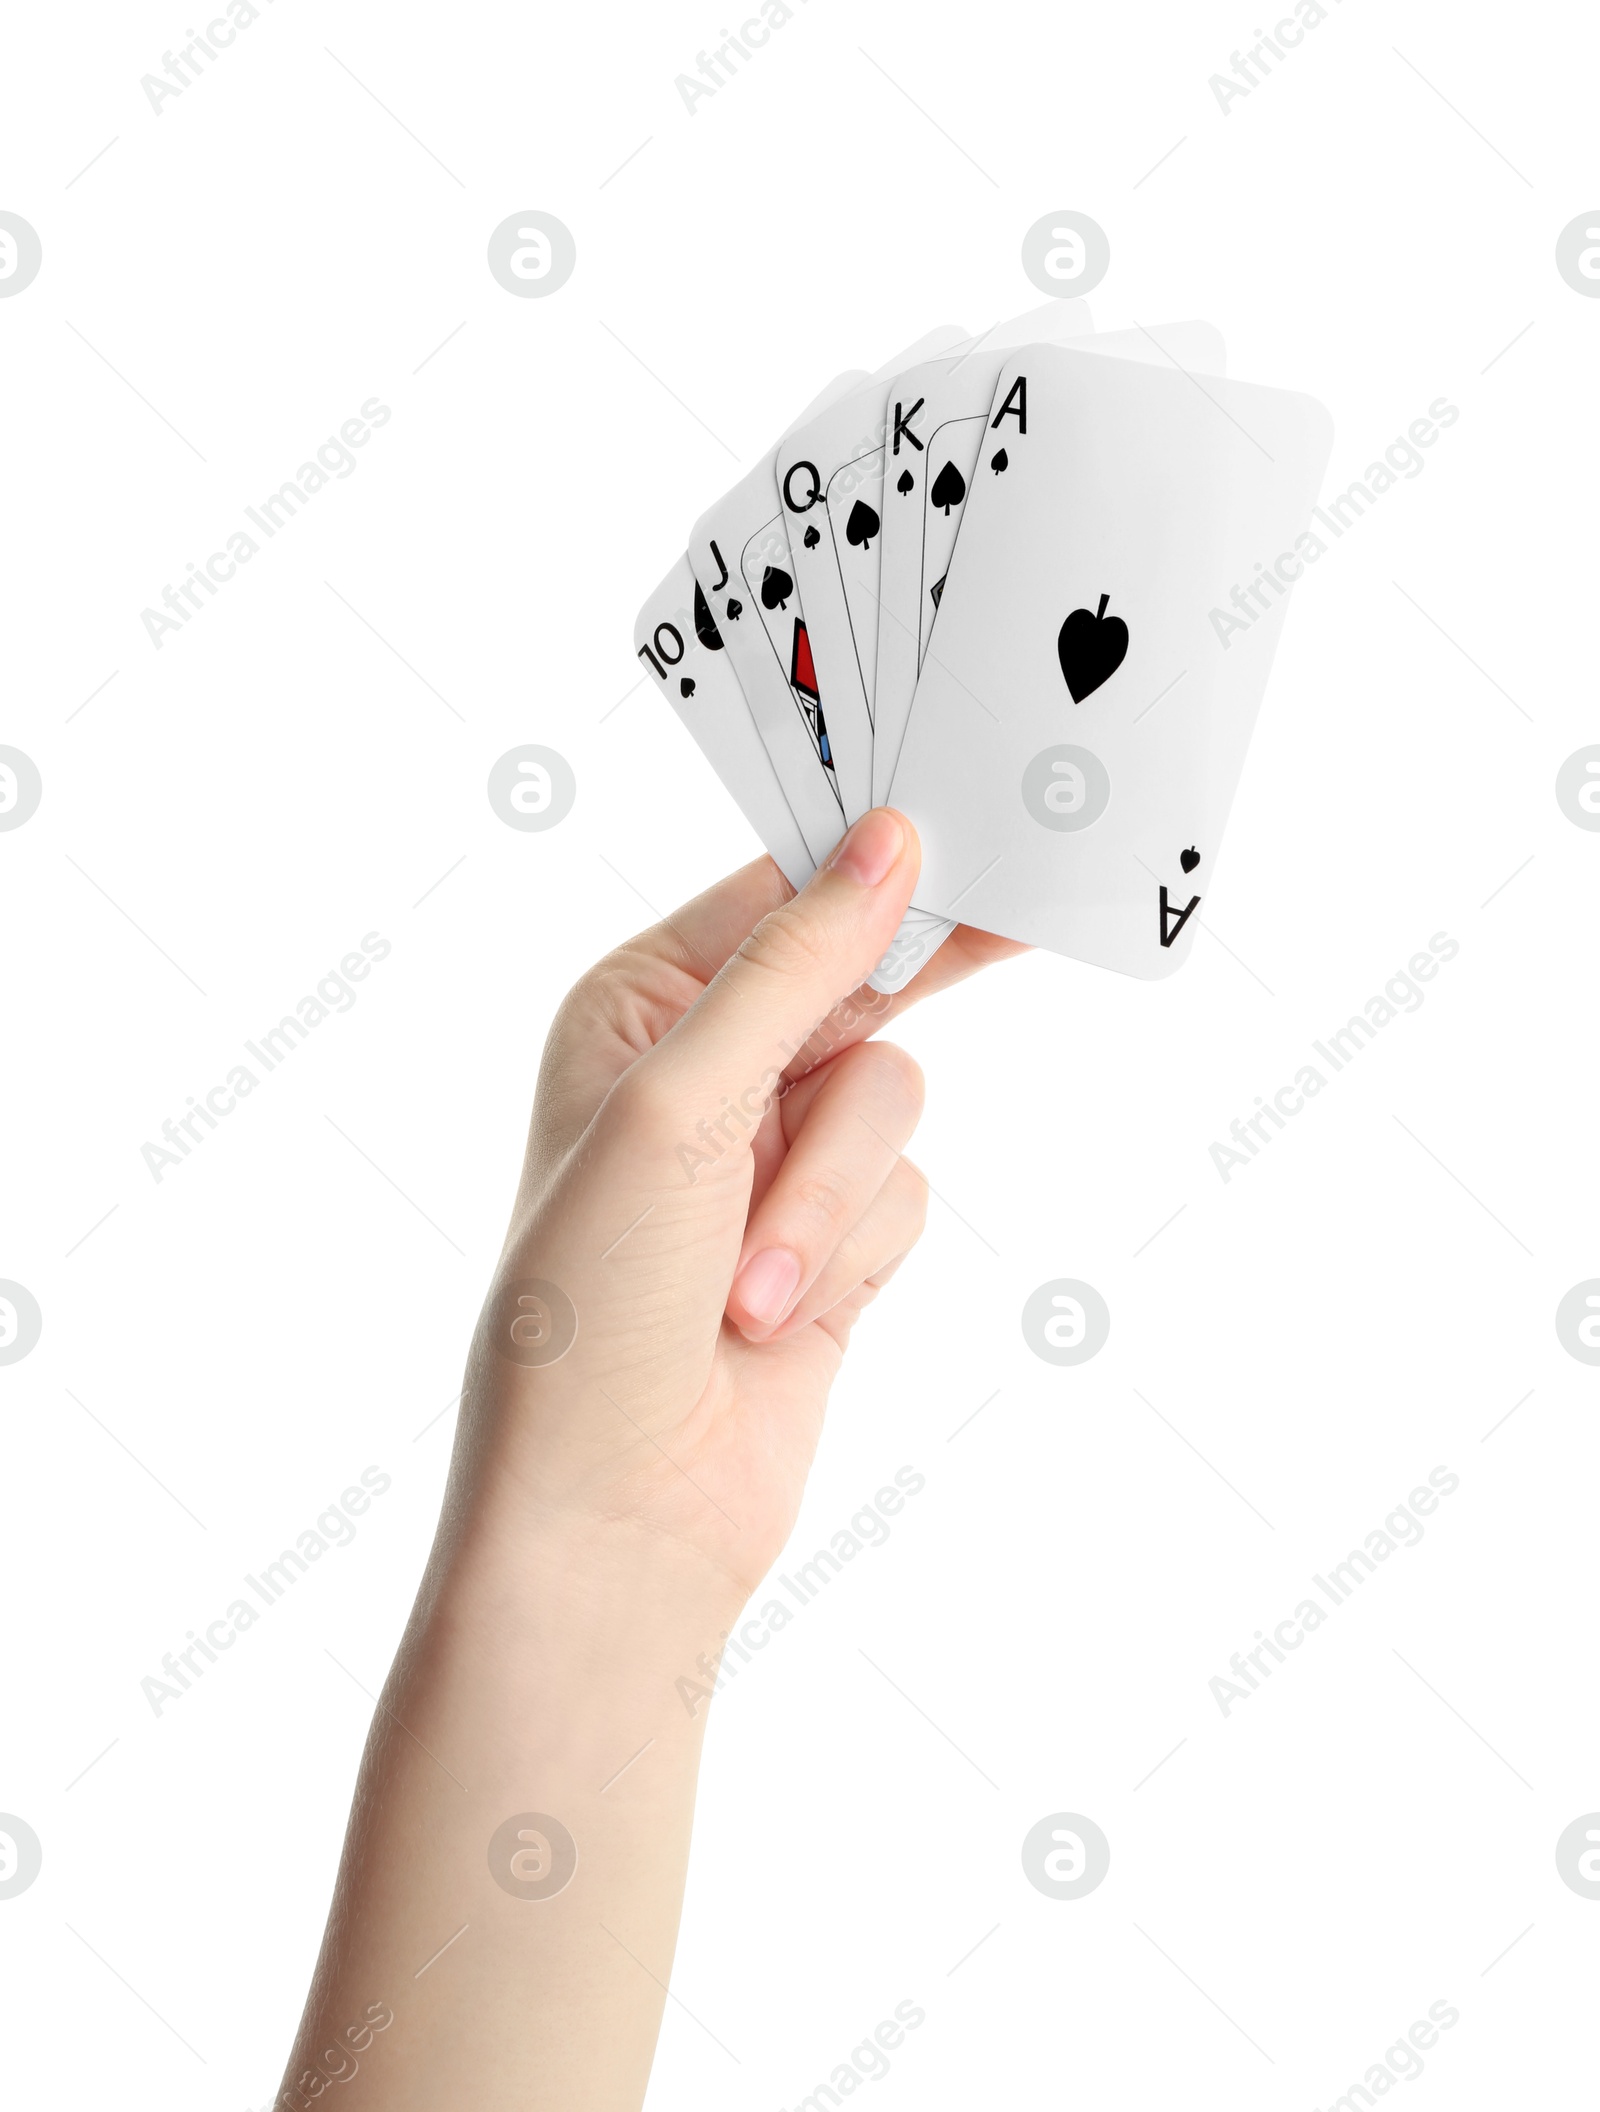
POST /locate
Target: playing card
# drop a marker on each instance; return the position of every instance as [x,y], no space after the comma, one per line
[838,573]
[939,410]
[947,404]
[739,555]
[676,638]
[829,475]
[1104,638]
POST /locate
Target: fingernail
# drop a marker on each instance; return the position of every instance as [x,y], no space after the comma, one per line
[766,1283]
[870,848]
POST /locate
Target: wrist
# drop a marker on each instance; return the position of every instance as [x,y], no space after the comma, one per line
[535,1502]
[592,1642]
[571,1579]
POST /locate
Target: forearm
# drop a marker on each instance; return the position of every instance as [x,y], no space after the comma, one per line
[538,1677]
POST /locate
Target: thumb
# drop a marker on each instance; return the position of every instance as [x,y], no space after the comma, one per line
[735,1041]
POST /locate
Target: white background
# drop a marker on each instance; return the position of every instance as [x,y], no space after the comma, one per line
[1365,1301]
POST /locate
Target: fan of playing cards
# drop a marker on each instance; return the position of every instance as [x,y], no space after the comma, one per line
[1025,587]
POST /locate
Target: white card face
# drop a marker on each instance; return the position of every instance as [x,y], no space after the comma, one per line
[1104,639]
[926,399]
[919,535]
[739,554]
[676,639]
[828,477]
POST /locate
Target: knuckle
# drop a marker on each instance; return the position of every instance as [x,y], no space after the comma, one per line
[598,1002]
[786,943]
[639,1102]
[821,1197]
[594,994]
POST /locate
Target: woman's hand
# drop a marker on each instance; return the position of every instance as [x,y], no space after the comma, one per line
[715,1187]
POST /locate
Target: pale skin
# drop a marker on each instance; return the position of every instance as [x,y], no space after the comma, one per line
[716,1189]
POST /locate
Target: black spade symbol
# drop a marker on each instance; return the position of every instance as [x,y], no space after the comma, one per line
[811,537]
[735,611]
[907,482]
[1091,647]
[999,462]
[1189,859]
[949,487]
[776,587]
[686,687]
[862,526]
[937,589]
[705,626]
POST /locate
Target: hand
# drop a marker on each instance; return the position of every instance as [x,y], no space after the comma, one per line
[715,1187]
